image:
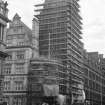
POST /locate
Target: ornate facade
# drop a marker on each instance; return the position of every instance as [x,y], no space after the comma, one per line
[3,24]
[94,79]
[20,47]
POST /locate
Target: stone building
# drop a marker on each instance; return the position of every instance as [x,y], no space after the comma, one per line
[20,47]
[3,26]
[93,77]
[103,82]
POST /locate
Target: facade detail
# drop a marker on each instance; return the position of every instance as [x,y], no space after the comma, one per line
[59,38]
[3,24]
[103,81]
[20,47]
[94,78]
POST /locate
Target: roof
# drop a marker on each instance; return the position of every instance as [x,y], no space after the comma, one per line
[16,17]
[13,23]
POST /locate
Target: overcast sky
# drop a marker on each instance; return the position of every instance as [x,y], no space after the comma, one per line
[92,12]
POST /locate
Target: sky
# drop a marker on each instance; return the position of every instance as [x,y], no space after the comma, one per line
[92,12]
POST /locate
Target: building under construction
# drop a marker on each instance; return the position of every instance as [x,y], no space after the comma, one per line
[46,81]
[59,38]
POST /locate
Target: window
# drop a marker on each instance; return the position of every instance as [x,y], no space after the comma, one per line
[9,42]
[20,36]
[9,37]
[6,99]
[18,101]
[20,55]
[21,43]
[9,57]
[7,69]
[62,89]
[19,67]
[15,29]
[6,85]
[19,85]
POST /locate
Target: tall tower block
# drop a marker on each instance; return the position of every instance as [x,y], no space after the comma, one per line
[60,30]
